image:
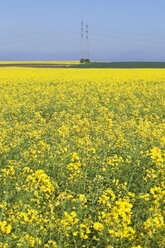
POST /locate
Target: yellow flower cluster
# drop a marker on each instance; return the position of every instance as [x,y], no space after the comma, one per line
[5,228]
[82,158]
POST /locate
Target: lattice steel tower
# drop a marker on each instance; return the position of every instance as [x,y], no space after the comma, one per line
[82,55]
[87,43]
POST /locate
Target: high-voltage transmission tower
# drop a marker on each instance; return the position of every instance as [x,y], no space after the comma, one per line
[84,41]
[87,43]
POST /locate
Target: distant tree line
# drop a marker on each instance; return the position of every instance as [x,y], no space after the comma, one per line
[85,60]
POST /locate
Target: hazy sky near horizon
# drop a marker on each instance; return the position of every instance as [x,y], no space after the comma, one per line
[121,30]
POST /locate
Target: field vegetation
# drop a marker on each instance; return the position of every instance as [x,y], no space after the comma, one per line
[125,65]
[82,158]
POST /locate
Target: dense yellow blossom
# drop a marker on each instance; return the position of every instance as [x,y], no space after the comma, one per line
[82,158]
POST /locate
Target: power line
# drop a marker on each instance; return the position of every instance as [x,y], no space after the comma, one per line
[126,38]
[135,45]
[63,35]
[61,44]
[56,36]
[37,32]
[115,30]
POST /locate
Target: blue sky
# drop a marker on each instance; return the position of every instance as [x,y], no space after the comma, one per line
[120,30]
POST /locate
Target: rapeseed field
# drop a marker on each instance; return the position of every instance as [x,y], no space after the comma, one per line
[82,158]
[40,62]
